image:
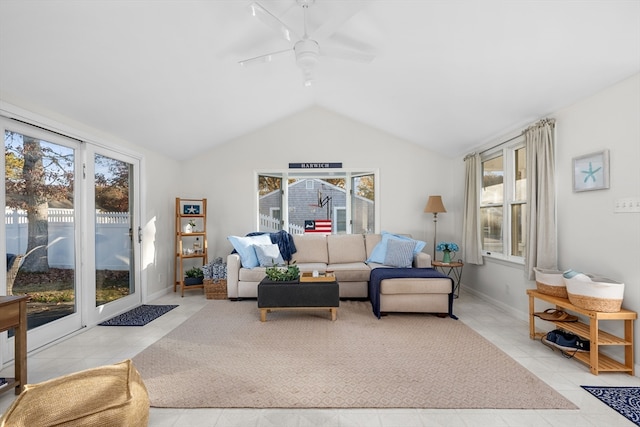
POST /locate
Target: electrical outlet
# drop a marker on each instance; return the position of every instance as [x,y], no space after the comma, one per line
[627,205]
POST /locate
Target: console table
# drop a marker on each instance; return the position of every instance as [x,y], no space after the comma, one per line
[13,315]
[596,361]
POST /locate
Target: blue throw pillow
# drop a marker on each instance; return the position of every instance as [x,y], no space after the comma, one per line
[399,253]
[244,247]
[380,250]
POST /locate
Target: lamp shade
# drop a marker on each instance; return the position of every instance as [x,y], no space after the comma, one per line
[434,205]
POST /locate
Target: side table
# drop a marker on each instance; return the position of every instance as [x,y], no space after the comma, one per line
[13,314]
[448,268]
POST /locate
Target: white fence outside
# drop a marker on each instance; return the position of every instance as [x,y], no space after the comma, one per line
[271,224]
[112,237]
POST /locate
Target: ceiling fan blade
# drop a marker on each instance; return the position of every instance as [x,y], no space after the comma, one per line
[272,22]
[263,58]
[345,12]
[347,54]
[351,43]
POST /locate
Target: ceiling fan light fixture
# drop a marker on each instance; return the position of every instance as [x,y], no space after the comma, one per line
[307,52]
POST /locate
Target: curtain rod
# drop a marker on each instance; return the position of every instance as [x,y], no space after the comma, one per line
[538,123]
[493,146]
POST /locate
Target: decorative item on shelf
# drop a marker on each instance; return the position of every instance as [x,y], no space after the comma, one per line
[190,227]
[434,206]
[289,273]
[447,248]
[193,276]
[191,210]
[197,246]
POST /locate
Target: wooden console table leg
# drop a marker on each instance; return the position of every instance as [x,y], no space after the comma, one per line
[628,350]
[593,346]
[21,348]
[532,319]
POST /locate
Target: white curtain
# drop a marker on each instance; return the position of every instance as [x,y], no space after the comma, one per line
[471,237]
[541,249]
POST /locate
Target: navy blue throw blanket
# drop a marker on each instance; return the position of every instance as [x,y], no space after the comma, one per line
[379,274]
[284,241]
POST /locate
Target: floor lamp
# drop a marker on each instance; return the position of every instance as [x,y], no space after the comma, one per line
[434,206]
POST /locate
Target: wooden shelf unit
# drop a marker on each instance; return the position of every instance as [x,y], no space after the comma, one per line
[596,361]
[182,219]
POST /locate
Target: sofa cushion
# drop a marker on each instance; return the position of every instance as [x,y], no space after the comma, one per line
[380,251]
[350,271]
[346,248]
[310,248]
[399,253]
[309,267]
[371,240]
[244,247]
[112,395]
[255,274]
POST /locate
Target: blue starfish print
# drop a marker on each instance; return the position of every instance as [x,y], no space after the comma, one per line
[591,173]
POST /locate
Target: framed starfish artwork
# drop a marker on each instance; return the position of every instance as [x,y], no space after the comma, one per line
[591,171]
[191,210]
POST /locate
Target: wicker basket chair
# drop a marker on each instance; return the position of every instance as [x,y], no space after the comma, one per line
[13,272]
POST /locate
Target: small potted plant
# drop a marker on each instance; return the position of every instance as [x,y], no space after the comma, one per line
[190,227]
[194,276]
[279,274]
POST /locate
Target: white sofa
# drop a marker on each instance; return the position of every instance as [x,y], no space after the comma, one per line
[345,255]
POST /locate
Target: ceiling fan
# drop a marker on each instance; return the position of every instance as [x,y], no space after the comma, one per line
[307,50]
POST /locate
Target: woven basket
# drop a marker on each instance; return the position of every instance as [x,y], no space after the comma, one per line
[594,293]
[550,282]
[215,290]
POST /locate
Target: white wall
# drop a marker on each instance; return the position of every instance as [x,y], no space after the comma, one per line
[408,173]
[591,238]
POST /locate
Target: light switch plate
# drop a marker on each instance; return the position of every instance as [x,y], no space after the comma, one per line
[627,205]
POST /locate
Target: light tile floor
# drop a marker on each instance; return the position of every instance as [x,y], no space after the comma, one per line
[103,345]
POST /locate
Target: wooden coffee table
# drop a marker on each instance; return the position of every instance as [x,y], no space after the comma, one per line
[311,293]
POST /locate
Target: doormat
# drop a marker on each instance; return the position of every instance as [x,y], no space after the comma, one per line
[625,400]
[139,316]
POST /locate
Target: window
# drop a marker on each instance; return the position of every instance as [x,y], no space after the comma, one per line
[503,201]
[343,200]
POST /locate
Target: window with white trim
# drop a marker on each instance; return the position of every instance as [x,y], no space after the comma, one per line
[503,201]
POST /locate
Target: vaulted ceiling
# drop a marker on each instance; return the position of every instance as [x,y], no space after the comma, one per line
[448,75]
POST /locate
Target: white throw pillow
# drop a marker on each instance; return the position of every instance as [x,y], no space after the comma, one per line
[268,255]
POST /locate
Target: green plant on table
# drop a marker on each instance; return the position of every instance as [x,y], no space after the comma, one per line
[283,274]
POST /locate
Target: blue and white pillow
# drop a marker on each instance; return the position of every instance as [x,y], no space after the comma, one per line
[268,255]
[245,248]
[399,253]
[380,250]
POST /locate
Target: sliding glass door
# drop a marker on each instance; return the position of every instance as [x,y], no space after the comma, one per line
[116,233]
[41,229]
[71,232]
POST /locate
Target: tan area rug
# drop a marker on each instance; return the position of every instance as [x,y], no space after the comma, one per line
[224,357]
